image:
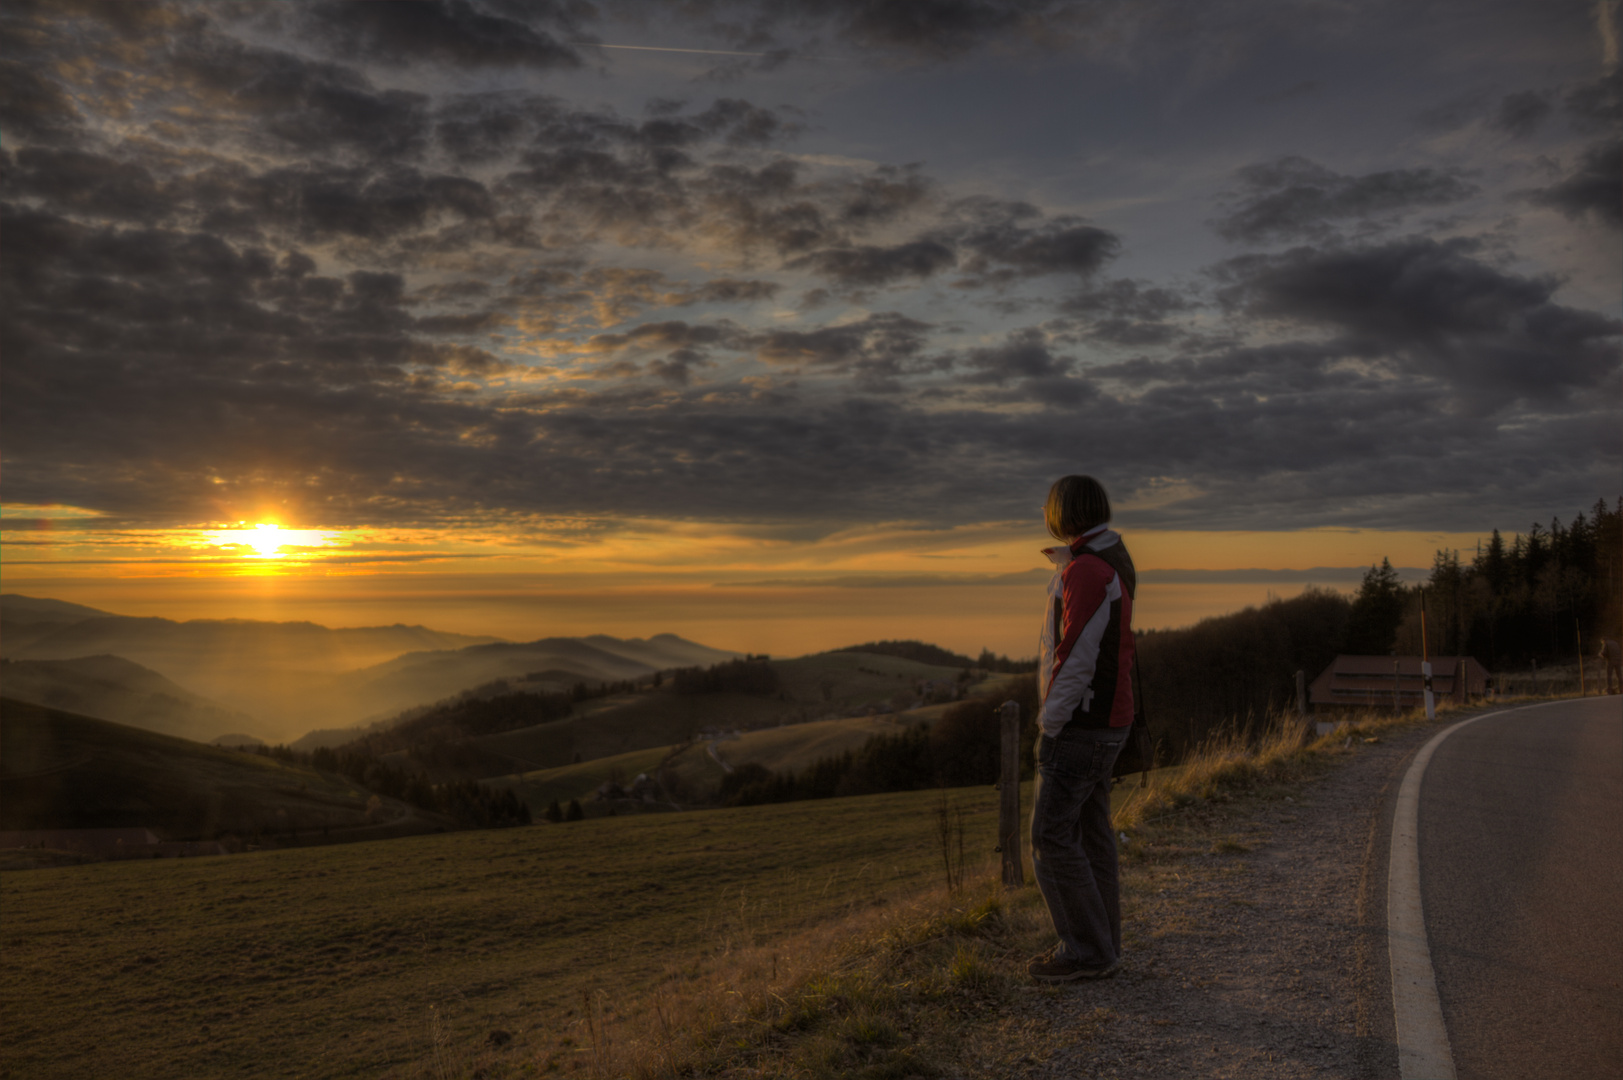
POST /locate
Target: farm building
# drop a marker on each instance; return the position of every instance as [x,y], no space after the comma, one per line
[1385,681]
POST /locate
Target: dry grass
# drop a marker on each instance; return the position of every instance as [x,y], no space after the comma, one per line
[860,996]
[1252,758]
[920,987]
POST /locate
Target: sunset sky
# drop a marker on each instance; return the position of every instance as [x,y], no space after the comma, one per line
[770,323]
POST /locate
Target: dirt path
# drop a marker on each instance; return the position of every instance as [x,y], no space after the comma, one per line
[1254,955]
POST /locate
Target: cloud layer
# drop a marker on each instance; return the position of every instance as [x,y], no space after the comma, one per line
[370,265]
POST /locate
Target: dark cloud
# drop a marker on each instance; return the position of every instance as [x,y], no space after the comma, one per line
[84,183]
[1028,372]
[674,334]
[316,201]
[677,368]
[33,108]
[1520,115]
[878,350]
[453,32]
[1127,312]
[295,103]
[1597,105]
[1594,189]
[991,243]
[732,291]
[873,265]
[1434,309]
[1294,198]
[1006,250]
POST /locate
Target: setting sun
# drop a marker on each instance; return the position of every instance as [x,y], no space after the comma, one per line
[266,540]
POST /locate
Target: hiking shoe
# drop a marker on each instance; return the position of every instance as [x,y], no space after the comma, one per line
[1049,968]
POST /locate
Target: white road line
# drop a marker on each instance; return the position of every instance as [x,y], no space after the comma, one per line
[1423,1050]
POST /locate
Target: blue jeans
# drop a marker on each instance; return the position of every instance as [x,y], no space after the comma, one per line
[1073,848]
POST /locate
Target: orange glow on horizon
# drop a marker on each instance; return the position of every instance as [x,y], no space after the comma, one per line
[783,588]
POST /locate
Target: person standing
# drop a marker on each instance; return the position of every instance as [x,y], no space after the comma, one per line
[1085,655]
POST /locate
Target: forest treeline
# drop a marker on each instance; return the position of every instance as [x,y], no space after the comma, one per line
[467,802]
[924,653]
[1512,603]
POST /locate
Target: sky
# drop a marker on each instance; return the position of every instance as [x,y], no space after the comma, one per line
[770,324]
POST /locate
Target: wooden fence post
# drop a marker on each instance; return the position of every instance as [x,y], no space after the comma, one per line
[1008,812]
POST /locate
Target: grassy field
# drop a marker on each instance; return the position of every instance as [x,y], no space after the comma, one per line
[370,959]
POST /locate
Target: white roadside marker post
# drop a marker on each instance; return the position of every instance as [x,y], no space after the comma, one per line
[1425,663]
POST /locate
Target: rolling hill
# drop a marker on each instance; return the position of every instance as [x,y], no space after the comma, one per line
[112,688]
[59,770]
[828,686]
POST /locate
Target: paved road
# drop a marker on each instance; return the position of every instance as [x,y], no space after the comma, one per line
[1521,864]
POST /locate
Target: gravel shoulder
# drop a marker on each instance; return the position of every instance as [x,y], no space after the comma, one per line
[1255,941]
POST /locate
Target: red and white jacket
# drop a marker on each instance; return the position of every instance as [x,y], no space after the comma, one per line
[1085,653]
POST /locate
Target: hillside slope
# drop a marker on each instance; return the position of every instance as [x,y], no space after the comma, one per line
[59,770]
[112,688]
[809,688]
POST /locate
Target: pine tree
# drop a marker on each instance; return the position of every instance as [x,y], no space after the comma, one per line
[1376,612]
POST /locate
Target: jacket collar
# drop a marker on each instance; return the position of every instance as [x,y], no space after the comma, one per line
[1095,539]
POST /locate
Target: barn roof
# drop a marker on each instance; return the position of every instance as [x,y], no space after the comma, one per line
[1376,680]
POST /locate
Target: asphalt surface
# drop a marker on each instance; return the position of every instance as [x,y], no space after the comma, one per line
[1521,867]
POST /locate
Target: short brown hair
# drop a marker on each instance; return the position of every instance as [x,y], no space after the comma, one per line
[1075,505]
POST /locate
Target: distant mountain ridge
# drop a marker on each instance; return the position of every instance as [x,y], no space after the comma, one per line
[24,619]
[41,609]
[296,677]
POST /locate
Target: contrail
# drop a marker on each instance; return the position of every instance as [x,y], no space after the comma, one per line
[660,48]
[785,53]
